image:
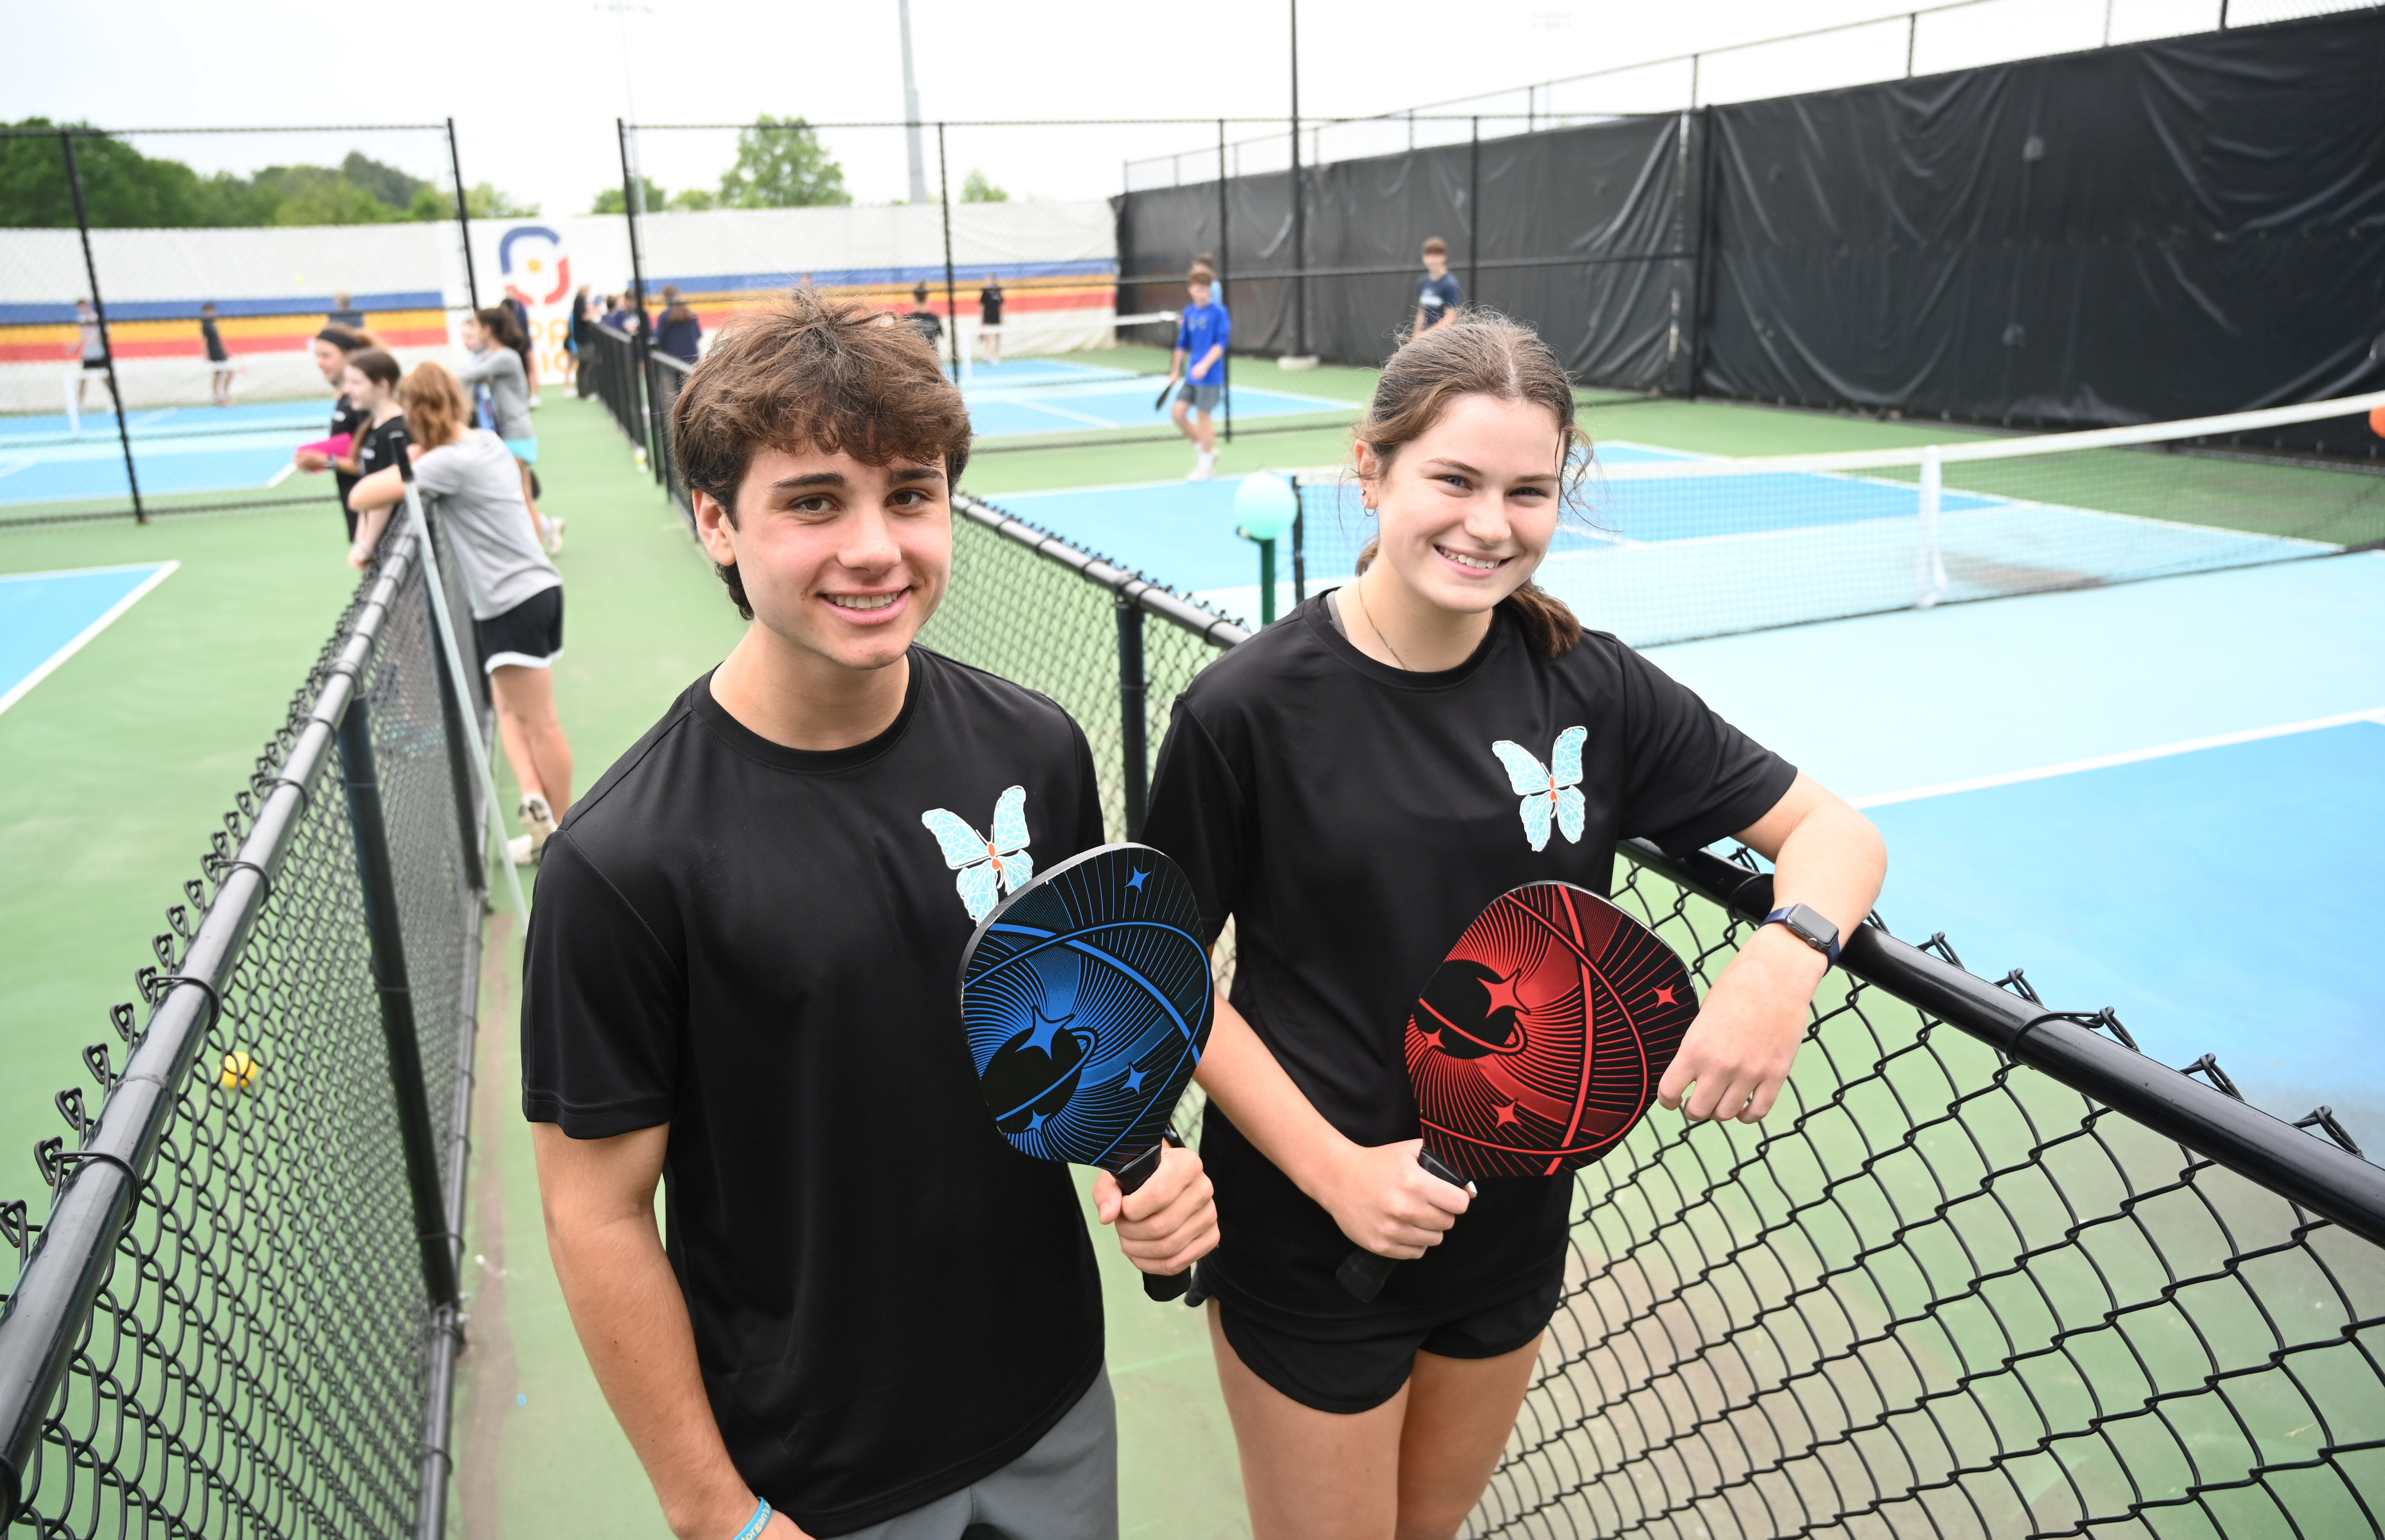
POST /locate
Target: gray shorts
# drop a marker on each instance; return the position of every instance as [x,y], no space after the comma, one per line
[1064,1488]
[1201,398]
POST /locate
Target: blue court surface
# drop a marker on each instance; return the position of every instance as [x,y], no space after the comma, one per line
[176,449]
[2164,797]
[46,617]
[1049,395]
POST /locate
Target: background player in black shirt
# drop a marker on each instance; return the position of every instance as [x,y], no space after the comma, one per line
[1352,786]
[740,980]
[219,368]
[333,346]
[989,321]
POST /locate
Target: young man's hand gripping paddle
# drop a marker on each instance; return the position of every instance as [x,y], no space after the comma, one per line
[1087,998]
[1539,1042]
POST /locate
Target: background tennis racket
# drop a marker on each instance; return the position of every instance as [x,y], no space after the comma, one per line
[1538,1044]
[1087,999]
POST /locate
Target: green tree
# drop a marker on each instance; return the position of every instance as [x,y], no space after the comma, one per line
[781,164]
[692,200]
[484,202]
[391,185]
[610,201]
[121,187]
[977,189]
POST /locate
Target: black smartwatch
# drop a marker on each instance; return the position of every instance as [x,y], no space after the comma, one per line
[1809,925]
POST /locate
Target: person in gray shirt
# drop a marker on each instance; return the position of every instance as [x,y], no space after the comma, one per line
[474,491]
[495,375]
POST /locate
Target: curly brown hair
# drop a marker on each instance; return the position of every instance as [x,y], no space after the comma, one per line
[811,373]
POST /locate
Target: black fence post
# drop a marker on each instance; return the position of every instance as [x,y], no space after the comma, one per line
[1224,260]
[1299,547]
[379,891]
[99,311]
[1474,214]
[463,218]
[630,198]
[1701,284]
[1299,227]
[1133,722]
[952,304]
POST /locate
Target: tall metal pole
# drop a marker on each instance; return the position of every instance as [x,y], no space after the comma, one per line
[952,305]
[1474,215]
[911,108]
[1299,231]
[463,218]
[637,283]
[1225,258]
[99,311]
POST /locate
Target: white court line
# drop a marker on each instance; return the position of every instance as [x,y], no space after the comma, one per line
[17,691]
[2132,756]
[283,474]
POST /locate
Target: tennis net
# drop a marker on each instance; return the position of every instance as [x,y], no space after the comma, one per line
[1671,546]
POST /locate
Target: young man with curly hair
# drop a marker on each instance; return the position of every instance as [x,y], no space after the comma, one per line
[872,1317]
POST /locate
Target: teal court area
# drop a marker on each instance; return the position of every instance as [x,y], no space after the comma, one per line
[1042,395]
[46,617]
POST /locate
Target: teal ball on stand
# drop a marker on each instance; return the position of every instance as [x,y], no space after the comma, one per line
[1265,505]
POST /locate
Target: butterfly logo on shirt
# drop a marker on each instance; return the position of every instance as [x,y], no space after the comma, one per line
[1552,793]
[987,868]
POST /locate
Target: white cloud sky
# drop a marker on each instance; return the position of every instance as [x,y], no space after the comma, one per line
[535,85]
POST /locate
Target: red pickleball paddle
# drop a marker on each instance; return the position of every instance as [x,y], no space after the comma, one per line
[1538,1043]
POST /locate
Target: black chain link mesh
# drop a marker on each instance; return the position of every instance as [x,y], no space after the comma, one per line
[254,1363]
[1936,1292]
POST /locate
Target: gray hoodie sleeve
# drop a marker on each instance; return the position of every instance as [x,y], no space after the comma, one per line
[501,369]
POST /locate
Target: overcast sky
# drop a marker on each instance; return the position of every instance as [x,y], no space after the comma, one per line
[535,85]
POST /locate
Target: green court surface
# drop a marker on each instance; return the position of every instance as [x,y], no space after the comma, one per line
[116,767]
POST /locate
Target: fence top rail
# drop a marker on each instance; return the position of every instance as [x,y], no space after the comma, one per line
[2306,1169]
[98,1183]
[1131,588]
[87,130]
[1306,124]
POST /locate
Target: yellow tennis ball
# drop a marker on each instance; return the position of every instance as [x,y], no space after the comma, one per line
[239,1071]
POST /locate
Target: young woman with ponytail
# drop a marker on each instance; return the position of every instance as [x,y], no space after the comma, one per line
[1331,786]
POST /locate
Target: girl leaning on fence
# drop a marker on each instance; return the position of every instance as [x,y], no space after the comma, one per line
[1332,784]
[516,596]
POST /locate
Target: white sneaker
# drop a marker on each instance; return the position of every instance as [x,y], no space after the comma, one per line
[1203,469]
[533,404]
[536,816]
[554,533]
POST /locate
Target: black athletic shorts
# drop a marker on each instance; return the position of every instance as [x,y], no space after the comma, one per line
[529,635]
[1349,1377]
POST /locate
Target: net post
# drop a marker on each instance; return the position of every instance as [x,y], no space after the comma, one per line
[378,885]
[1928,561]
[99,313]
[1133,723]
[952,304]
[1266,582]
[1299,227]
[463,218]
[1299,546]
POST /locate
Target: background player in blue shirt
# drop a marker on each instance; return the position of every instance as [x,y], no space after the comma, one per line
[1438,295]
[1201,338]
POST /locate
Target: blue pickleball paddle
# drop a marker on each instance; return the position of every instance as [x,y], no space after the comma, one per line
[1087,999]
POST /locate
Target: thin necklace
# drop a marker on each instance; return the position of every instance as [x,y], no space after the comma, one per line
[1378,630]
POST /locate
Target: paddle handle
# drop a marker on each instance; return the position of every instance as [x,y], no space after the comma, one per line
[1161,1287]
[1363,1272]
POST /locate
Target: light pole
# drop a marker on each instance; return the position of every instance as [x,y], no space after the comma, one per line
[911,110]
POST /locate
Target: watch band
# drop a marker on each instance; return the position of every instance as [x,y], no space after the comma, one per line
[1808,926]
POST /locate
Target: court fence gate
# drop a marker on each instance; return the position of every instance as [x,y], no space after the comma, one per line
[239,1315]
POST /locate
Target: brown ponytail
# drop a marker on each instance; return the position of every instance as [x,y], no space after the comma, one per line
[1481,353]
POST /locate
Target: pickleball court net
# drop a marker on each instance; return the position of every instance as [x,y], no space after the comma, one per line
[1669,546]
[1947,1288]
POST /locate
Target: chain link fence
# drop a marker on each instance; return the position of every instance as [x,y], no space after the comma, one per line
[239,1315]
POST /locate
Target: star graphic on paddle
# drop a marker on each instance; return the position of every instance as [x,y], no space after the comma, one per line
[1506,1115]
[1505,993]
[1665,995]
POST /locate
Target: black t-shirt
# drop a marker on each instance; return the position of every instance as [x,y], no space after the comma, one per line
[380,446]
[214,340]
[1354,818]
[760,947]
[1437,297]
[349,418]
[989,304]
